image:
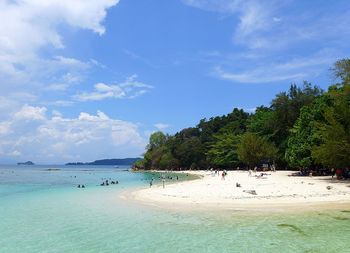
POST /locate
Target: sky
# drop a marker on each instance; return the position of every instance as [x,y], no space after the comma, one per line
[90,79]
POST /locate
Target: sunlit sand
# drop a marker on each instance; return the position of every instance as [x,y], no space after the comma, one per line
[274,191]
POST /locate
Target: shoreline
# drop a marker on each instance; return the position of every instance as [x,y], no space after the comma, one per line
[275,192]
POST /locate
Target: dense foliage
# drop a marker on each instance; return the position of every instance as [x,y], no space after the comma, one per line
[302,128]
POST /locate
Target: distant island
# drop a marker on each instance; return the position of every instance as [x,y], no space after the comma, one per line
[26,163]
[123,161]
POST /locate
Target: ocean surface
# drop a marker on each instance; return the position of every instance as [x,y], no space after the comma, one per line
[42,210]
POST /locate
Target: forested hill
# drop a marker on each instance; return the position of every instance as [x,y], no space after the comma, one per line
[124,161]
[302,127]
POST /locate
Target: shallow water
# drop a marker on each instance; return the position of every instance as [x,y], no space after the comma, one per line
[44,211]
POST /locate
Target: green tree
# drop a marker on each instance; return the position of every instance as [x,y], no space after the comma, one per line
[335,135]
[286,108]
[167,161]
[304,135]
[262,122]
[253,149]
[307,127]
[156,140]
[139,164]
[236,122]
[341,70]
[334,149]
[223,150]
[191,153]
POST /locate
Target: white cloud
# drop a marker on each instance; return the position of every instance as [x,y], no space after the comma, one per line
[57,87]
[273,24]
[140,58]
[255,19]
[56,113]
[14,102]
[31,25]
[31,113]
[253,15]
[4,128]
[7,105]
[161,126]
[62,103]
[224,6]
[29,134]
[130,88]
[15,153]
[274,43]
[297,69]
[258,75]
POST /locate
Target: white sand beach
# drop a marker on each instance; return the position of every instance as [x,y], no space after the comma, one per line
[274,191]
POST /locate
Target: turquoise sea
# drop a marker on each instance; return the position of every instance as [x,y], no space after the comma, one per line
[42,210]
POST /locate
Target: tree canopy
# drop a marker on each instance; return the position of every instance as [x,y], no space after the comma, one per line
[302,127]
[253,149]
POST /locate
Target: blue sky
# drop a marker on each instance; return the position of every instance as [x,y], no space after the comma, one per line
[83,80]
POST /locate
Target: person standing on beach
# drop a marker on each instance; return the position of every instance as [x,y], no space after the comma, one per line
[223,175]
